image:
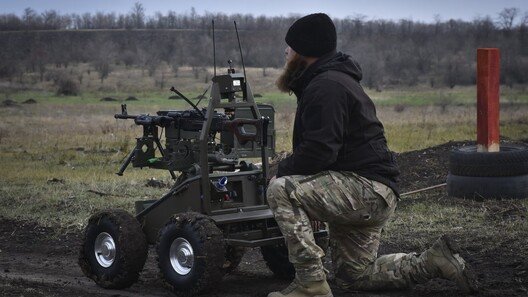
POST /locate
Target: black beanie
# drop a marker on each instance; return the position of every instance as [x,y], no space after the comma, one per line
[313,35]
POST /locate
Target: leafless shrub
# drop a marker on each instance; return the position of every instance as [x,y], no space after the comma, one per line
[444,101]
[107,128]
[108,99]
[399,107]
[4,133]
[67,87]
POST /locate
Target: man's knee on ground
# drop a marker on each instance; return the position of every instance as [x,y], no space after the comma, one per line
[349,272]
[386,272]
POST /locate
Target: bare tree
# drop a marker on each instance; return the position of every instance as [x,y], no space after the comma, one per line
[9,68]
[51,19]
[524,20]
[358,21]
[171,19]
[29,17]
[87,21]
[104,53]
[392,52]
[506,18]
[138,15]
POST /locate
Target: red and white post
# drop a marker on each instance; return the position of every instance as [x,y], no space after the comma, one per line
[488,71]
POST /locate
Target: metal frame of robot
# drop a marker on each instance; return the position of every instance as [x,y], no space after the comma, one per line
[184,197]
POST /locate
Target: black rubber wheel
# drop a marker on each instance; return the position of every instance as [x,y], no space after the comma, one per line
[276,258]
[507,187]
[233,257]
[113,249]
[512,160]
[191,253]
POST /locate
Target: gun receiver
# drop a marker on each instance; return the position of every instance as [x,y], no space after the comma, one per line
[182,130]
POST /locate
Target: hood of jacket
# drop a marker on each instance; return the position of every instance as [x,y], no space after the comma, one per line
[331,61]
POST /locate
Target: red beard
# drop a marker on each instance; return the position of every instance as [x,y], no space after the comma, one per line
[293,69]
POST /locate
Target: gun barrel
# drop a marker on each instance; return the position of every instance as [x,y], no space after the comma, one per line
[124,116]
[146,120]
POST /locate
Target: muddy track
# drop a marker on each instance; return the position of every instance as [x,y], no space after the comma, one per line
[37,270]
[38,261]
[47,267]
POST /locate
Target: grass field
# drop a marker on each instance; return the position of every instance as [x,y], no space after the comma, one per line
[59,156]
[59,160]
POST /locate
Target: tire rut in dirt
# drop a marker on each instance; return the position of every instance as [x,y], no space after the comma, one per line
[208,254]
[130,249]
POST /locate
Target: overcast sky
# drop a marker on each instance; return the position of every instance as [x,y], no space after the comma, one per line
[418,10]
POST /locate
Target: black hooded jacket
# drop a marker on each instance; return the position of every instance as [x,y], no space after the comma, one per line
[336,127]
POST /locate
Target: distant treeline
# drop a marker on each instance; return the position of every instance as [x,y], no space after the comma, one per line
[390,52]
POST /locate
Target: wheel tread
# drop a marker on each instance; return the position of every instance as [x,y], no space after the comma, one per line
[211,238]
[133,256]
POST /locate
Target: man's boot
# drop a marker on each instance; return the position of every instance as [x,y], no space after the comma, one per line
[305,289]
[443,260]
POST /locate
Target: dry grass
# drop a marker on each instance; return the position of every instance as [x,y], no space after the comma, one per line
[482,228]
[82,146]
[79,147]
[76,140]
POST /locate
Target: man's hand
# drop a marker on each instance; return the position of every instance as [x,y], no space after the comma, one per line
[316,225]
[274,164]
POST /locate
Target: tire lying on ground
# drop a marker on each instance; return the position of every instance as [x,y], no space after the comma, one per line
[507,187]
[113,249]
[502,174]
[511,160]
[191,253]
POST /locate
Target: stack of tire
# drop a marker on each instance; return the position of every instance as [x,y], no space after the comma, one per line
[489,175]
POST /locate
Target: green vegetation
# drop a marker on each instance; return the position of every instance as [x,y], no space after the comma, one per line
[59,156]
[408,137]
[421,96]
[392,97]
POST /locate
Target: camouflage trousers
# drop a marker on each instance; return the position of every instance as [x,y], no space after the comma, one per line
[356,209]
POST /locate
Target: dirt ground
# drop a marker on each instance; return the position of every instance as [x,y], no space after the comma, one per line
[39,261]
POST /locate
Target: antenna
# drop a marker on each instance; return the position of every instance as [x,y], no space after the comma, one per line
[188,101]
[203,95]
[240,49]
[214,49]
